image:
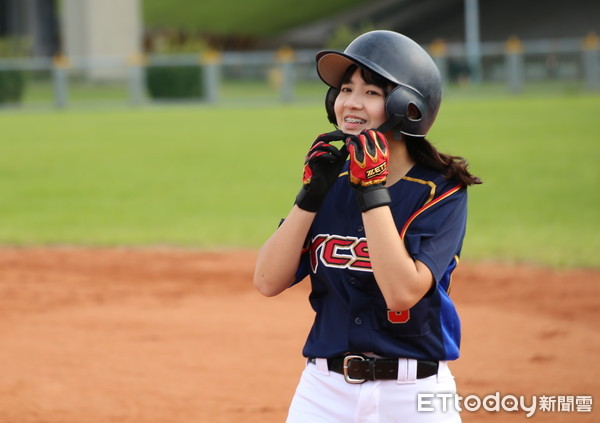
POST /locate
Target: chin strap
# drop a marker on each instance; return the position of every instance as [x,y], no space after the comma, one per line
[392,124]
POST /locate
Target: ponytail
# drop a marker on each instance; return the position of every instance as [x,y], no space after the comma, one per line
[452,167]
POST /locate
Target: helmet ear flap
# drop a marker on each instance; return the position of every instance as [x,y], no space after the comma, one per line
[330,97]
[406,103]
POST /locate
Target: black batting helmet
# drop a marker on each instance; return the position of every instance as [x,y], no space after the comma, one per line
[399,60]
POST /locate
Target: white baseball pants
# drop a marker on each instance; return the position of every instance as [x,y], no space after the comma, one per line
[325,397]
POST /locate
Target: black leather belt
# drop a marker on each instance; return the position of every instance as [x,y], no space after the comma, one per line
[358,368]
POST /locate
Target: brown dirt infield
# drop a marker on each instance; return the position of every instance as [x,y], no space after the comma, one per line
[173,335]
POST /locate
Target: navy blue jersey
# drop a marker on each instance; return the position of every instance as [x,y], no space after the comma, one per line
[351,313]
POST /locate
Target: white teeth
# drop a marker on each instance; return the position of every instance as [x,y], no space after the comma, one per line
[355,120]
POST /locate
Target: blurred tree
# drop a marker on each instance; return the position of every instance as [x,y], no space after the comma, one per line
[12,81]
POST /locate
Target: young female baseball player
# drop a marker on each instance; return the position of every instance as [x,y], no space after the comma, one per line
[378,225]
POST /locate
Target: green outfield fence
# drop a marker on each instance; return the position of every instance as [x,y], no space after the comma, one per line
[511,67]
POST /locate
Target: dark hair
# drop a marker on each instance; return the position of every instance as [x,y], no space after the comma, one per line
[419,148]
[452,167]
[369,77]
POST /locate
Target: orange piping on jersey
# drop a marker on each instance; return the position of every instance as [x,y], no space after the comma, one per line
[421,181]
[457,259]
[425,207]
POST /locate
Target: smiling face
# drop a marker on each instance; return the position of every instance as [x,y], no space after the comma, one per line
[359,104]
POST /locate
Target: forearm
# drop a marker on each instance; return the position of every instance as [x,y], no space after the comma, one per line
[279,257]
[402,280]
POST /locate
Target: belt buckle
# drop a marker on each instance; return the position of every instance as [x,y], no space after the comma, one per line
[346,364]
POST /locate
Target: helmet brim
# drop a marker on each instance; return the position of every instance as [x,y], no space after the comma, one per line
[331,66]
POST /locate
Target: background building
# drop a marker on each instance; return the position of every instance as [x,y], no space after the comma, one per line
[36,20]
[427,20]
[82,30]
[104,29]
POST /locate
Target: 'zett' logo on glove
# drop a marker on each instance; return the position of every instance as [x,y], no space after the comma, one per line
[376,171]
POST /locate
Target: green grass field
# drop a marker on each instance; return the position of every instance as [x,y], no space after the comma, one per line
[212,177]
[258,17]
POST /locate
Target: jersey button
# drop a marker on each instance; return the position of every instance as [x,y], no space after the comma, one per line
[352,281]
[360,228]
[358,321]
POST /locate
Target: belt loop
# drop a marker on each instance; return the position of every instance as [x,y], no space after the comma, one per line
[322,366]
[407,371]
[443,372]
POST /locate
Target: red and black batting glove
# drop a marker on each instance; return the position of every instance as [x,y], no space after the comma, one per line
[322,166]
[368,168]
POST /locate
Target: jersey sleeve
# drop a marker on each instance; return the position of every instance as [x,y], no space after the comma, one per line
[435,233]
[303,267]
